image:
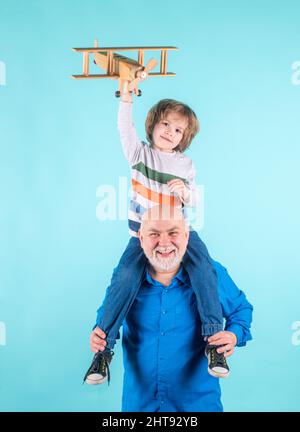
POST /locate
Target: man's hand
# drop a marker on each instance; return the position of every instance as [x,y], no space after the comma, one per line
[97,341]
[180,188]
[226,338]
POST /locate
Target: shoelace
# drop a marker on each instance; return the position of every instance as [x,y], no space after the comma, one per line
[218,357]
[104,363]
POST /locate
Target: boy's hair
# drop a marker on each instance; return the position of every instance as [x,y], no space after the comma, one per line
[160,110]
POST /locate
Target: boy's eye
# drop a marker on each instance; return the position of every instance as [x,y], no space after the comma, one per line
[178,131]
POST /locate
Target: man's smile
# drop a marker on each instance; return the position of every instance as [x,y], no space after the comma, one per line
[166,254]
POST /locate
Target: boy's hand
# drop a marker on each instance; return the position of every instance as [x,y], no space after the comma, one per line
[178,186]
[226,338]
[126,95]
[97,342]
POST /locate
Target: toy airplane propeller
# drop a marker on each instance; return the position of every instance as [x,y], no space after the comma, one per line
[125,69]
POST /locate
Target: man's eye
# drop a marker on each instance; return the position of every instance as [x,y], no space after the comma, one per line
[174,233]
[153,235]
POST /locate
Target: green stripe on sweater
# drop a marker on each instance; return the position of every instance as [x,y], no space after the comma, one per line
[151,174]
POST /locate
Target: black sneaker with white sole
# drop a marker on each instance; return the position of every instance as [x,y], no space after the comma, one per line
[217,364]
[98,372]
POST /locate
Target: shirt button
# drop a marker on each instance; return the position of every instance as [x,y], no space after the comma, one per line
[164,312]
[162,333]
[162,402]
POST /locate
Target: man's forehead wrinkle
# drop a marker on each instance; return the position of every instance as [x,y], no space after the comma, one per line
[174,227]
[153,229]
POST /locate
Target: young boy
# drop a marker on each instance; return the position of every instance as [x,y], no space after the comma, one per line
[161,174]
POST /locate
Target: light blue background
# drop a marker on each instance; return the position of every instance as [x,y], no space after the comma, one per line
[59,143]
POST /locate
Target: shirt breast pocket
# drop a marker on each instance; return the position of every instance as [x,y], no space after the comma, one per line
[186,315]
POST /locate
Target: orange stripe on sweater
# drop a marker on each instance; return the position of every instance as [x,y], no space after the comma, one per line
[152,195]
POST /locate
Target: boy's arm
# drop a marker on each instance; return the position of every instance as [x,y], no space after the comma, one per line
[186,190]
[191,199]
[130,141]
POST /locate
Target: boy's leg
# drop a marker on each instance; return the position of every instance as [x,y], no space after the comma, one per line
[123,289]
[203,277]
[204,282]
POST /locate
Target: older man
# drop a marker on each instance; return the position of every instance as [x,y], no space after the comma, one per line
[163,350]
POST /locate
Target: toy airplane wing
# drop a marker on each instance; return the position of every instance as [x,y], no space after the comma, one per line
[109,59]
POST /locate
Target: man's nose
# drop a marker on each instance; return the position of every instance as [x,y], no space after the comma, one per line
[164,240]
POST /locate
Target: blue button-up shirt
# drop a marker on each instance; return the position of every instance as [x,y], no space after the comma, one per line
[165,367]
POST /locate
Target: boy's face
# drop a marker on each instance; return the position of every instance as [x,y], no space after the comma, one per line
[168,132]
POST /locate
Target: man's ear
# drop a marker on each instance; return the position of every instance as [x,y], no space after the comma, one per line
[187,234]
[140,235]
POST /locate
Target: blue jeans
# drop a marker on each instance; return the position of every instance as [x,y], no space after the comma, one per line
[129,274]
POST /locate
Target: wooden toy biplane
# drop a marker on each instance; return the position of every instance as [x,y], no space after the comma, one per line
[125,69]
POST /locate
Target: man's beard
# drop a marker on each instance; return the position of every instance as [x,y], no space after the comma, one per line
[160,263]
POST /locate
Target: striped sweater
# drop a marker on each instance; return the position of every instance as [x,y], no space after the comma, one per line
[151,169]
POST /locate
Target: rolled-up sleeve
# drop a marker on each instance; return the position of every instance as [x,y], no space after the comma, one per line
[237,310]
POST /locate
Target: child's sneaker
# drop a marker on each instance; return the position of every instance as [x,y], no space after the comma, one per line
[217,364]
[98,372]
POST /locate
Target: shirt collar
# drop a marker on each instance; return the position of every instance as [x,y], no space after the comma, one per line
[182,276]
